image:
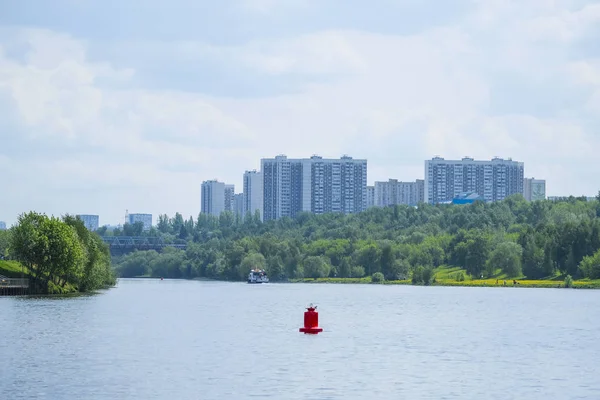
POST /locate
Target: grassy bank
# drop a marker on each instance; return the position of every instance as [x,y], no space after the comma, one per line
[12,269]
[451,276]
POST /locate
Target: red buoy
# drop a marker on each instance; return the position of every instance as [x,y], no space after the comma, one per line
[311,321]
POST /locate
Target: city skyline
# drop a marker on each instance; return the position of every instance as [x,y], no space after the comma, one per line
[406,191]
[98,120]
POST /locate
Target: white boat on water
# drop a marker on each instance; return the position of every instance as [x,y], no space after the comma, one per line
[258,276]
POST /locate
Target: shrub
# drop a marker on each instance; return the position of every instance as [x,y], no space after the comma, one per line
[377,277]
[568,281]
[422,276]
[358,272]
[459,276]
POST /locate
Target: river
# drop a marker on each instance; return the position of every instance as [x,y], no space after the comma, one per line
[167,340]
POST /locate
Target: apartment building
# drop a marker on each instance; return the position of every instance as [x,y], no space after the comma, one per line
[91,222]
[314,184]
[212,198]
[534,189]
[145,219]
[253,192]
[370,196]
[395,192]
[494,180]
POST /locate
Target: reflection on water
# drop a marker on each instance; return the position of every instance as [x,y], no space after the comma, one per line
[151,339]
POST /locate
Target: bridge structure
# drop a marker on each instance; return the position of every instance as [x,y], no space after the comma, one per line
[120,245]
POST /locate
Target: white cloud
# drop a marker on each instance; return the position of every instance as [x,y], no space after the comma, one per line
[394,99]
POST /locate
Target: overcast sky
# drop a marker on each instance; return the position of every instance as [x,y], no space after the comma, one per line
[122,104]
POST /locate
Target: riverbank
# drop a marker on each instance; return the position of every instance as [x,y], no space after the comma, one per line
[580,284]
[13,269]
[448,276]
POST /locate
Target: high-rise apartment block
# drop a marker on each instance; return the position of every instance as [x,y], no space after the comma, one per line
[213,198]
[145,219]
[394,192]
[314,185]
[238,204]
[91,222]
[253,193]
[494,180]
[2,226]
[229,197]
[370,196]
[217,197]
[534,189]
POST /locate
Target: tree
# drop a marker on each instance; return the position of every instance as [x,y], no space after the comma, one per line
[49,248]
[251,261]
[590,266]
[507,257]
[388,262]
[97,270]
[163,223]
[4,242]
[316,267]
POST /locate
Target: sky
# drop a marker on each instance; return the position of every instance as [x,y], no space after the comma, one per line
[115,105]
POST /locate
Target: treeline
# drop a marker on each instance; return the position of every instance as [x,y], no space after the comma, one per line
[59,255]
[512,238]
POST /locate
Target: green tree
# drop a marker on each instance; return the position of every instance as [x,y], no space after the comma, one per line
[164,225]
[97,270]
[388,262]
[507,257]
[4,242]
[49,248]
[251,261]
[590,266]
[316,267]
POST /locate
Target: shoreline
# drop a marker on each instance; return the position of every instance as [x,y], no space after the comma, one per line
[525,283]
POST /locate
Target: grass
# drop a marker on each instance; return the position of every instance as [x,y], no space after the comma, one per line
[12,269]
[446,276]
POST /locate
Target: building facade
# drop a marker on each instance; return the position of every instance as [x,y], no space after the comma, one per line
[370,196]
[238,205]
[494,180]
[314,185]
[2,226]
[395,192]
[213,198]
[534,189]
[229,197]
[253,193]
[91,222]
[285,186]
[145,219]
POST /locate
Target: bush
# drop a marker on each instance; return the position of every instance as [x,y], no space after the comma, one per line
[358,272]
[459,276]
[377,277]
[589,267]
[568,281]
[422,276]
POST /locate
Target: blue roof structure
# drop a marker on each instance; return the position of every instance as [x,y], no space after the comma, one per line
[468,198]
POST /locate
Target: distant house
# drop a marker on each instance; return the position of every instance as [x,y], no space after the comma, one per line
[468,198]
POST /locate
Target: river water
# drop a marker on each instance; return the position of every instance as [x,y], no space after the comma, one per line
[177,340]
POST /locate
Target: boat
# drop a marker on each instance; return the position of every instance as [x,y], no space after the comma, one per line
[258,276]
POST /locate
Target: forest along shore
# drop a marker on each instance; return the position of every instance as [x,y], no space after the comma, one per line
[538,244]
